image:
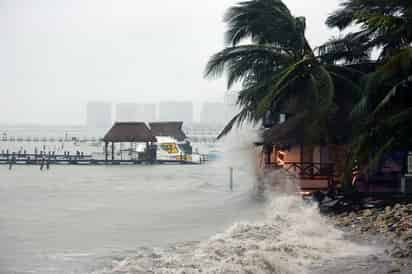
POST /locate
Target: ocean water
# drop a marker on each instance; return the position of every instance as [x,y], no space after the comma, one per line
[291,237]
[162,219]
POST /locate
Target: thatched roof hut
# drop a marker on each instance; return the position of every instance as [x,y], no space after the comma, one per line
[172,129]
[299,129]
[136,132]
[289,132]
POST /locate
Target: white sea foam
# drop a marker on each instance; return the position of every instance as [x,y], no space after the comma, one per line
[292,238]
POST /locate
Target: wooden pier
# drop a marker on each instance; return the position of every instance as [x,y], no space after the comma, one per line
[48,159]
[203,139]
[131,133]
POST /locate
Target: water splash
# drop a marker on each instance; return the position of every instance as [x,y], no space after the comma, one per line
[292,238]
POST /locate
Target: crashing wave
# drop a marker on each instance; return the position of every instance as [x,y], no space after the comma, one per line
[292,238]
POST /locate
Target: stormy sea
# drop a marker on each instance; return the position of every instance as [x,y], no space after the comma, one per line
[168,219]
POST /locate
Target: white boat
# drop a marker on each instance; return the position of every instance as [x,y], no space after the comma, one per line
[169,149]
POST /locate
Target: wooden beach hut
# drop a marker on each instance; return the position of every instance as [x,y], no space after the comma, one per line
[318,166]
[128,132]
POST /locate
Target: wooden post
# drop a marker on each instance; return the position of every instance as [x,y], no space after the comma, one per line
[269,149]
[148,156]
[153,151]
[42,163]
[106,156]
[12,161]
[131,154]
[231,178]
[112,151]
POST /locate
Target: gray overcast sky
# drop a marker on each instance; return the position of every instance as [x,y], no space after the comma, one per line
[58,54]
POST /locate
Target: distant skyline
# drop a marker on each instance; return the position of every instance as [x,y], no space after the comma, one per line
[207,112]
[58,55]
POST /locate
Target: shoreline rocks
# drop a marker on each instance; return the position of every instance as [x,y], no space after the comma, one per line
[393,224]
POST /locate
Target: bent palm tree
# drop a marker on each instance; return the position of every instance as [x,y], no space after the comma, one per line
[268,54]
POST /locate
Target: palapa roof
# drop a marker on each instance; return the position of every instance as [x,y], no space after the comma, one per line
[299,129]
[172,129]
[129,132]
[289,132]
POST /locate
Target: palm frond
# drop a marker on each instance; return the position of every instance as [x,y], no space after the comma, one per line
[391,94]
[398,118]
[383,84]
[347,84]
[241,62]
[244,115]
[264,21]
[385,24]
[359,109]
[351,49]
[281,81]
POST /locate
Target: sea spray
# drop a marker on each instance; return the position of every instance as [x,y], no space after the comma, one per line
[241,157]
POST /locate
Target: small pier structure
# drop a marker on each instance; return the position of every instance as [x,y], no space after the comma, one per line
[133,133]
[130,132]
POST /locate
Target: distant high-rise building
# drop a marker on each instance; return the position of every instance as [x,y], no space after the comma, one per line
[98,114]
[213,113]
[127,112]
[176,111]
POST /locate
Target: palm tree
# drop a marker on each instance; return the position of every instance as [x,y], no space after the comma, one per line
[382,24]
[385,109]
[268,55]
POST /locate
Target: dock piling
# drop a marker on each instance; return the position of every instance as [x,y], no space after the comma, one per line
[231,178]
